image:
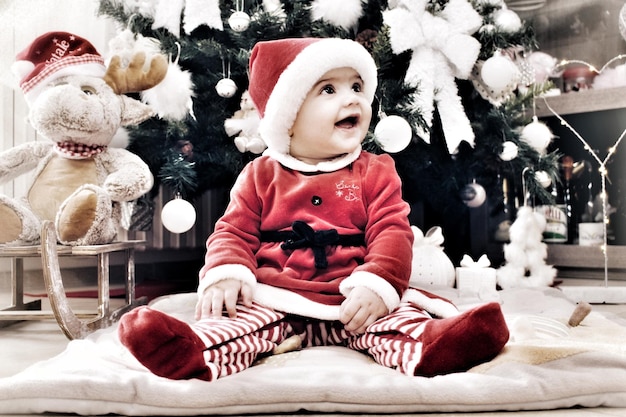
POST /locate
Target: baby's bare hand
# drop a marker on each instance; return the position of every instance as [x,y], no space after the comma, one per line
[223,295]
[361,308]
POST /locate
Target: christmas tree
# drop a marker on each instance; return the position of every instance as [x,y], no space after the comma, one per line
[455,70]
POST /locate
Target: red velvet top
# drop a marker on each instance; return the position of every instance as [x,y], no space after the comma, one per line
[364,197]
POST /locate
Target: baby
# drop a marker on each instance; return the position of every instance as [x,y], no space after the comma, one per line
[315,244]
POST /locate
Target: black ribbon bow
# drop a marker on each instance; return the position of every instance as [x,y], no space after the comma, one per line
[302,235]
[305,237]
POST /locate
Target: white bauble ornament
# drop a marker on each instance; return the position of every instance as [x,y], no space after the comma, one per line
[239,21]
[509,151]
[178,215]
[393,133]
[543,178]
[537,135]
[473,195]
[226,88]
[499,71]
[507,20]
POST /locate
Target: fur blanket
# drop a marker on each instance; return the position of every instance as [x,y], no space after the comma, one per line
[546,365]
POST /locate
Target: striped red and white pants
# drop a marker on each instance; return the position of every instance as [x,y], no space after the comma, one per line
[234,344]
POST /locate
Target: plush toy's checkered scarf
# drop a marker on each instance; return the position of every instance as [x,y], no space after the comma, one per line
[78,150]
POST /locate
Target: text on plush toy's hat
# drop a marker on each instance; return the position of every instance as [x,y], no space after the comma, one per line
[54,55]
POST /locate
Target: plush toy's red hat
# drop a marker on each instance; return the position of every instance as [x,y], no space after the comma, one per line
[54,55]
[282,72]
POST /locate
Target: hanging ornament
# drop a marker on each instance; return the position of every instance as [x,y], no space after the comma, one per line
[244,126]
[495,97]
[226,87]
[473,195]
[345,13]
[499,72]
[507,20]
[509,151]
[393,133]
[537,135]
[543,178]
[171,99]
[178,215]
[239,21]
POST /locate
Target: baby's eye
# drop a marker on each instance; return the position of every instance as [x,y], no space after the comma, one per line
[357,87]
[328,89]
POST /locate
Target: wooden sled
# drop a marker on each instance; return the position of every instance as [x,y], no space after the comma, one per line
[75,325]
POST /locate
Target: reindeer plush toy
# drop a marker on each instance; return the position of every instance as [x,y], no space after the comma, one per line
[77,104]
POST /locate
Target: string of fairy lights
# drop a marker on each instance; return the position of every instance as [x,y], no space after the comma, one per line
[602,167]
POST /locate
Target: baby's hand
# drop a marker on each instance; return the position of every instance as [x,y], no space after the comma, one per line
[223,294]
[361,308]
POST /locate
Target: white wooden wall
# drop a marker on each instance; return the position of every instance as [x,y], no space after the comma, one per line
[21,21]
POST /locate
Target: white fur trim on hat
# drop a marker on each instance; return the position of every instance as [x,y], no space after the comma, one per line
[294,84]
[37,85]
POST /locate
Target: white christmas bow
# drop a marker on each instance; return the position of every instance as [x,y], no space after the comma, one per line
[433,237]
[443,49]
[468,262]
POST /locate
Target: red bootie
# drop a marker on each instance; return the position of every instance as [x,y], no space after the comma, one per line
[166,346]
[458,343]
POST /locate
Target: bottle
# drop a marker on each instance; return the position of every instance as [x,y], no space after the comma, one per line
[507,216]
[557,217]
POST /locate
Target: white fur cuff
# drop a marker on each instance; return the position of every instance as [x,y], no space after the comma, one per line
[375,283]
[228,271]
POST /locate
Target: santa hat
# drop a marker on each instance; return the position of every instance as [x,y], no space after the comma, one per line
[282,72]
[54,55]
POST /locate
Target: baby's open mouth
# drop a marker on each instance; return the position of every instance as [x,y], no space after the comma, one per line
[348,122]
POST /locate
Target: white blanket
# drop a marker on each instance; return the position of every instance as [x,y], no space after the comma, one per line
[546,365]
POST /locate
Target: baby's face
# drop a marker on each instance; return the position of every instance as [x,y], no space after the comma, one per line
[333,119]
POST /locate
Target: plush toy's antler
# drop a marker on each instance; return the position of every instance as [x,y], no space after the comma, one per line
[133,78]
